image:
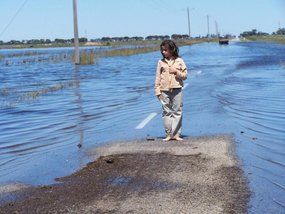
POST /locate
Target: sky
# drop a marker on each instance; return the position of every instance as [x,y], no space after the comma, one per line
[50,19]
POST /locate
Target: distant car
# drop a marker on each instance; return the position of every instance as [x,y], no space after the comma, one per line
[223,41]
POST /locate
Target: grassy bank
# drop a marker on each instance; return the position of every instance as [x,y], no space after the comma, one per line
[181,42]
[112,44]
[140,47]
[270,38]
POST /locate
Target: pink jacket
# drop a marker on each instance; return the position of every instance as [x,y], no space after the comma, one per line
[165,81]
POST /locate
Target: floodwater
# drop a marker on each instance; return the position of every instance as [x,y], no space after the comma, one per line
[52,112]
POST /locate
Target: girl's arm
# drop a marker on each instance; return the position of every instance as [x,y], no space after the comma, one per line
[180,71]
[182,74]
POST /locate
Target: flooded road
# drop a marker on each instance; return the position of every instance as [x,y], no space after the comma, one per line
[52,112]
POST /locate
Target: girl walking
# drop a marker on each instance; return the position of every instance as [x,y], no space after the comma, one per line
[170,73]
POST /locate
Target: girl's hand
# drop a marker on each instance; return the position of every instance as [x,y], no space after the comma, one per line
[159,97]
[172,71]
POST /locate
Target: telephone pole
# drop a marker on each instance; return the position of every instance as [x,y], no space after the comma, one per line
[208,28]
[76,41]
[217,29]
[189,23]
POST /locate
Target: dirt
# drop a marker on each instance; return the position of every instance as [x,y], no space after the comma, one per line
[194,176]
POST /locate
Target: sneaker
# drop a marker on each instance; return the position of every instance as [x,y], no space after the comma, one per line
[168,138]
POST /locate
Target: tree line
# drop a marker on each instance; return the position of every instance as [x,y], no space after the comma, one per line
[47,42]
[84,40]
[254,32]
[42,41]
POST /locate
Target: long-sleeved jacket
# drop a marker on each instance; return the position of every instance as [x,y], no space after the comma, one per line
[165,81]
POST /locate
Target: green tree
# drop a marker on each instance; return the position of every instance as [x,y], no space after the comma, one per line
[83,39]
[48,41]
[59,41]
[280,31]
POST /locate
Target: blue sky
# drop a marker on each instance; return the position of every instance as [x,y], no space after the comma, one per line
[50,19]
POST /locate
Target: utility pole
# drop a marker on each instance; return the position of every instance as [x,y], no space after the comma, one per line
[76,41]
[85,34]
[189,23]
[217,29]
[208,28]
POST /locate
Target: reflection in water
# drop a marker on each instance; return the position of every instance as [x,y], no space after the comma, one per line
[234,89]
[78,101]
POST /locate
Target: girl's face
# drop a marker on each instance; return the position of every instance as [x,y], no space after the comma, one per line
[166,52]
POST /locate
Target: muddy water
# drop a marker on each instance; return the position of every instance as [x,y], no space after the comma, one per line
[52,112]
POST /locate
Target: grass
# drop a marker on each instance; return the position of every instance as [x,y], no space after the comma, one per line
[24,46]
[26,53]
[128,51]
[87,57]
[270,38]
[37,58]
[35,94]
[133,43]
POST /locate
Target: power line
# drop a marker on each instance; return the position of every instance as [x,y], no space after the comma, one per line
[15,15]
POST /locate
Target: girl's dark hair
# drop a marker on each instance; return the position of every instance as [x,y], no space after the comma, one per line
[171,46]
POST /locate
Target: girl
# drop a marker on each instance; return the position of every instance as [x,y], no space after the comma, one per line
[170,73]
